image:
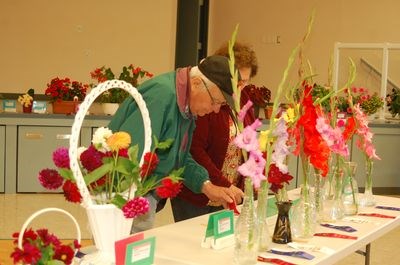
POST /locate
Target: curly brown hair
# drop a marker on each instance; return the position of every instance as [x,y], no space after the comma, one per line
[245,56]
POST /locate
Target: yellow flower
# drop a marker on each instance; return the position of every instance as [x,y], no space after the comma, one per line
[289,116]
[119,140]
[263,140]
[25,100]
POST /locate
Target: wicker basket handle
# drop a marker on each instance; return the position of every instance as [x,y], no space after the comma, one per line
[45,210]
[76,127]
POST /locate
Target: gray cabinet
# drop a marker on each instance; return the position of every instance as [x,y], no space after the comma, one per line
[2,157]
[385,171]
[35,147]
[31,140]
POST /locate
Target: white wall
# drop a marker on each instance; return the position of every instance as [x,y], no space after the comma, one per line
[43,39]
[261,21]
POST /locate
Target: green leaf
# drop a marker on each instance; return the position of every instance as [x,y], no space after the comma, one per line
[133,153]
[98,173]
[118,201]
[66,173]
[124,166]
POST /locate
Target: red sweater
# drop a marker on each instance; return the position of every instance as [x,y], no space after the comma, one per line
[209,146]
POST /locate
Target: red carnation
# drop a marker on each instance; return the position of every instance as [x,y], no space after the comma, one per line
[169,188]
[30,254]
[64,253]
[71,192]
[50,179]
[150,163]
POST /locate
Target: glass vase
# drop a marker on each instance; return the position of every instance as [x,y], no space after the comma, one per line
[367,199]
[333,205]
[350,190]
[318,196]
[262,205]
[304,219]
[282,233]
[246,232]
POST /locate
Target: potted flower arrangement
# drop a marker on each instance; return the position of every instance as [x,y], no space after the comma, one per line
[65,94]
[260,96]
[111,98]
[26,100]
[393,102]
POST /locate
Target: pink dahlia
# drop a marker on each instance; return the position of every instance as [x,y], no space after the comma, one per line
[50,179]
[61,157]
[136,207]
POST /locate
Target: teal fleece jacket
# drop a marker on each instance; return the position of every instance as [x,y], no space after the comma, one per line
[166,103]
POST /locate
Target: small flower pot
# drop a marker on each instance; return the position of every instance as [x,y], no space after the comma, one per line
[27,109]
[65,107]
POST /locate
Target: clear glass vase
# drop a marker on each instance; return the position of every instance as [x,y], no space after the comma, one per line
[333,204]
[367,199]
[262,205]
[318,196]
[304,218]
[246,230]
[350,190]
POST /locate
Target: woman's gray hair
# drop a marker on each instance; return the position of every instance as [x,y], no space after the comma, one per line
[195,72]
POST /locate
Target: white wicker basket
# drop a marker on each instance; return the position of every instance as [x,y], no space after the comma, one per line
[45,210]
[76,127]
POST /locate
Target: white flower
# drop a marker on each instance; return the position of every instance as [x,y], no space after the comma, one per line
[100,137]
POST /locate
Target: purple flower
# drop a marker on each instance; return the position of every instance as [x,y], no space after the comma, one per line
[281,149]
[61,157]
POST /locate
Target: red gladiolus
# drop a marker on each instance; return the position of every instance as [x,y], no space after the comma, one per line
[150,163]
[169,188]
[277,178]
[71,192]
[350,128]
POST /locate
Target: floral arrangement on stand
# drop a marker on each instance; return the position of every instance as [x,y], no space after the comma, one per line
[112,173]
[66,90]
[42,247]
[393,102]
[130,74]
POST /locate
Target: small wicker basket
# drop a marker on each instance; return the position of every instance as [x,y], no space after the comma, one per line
[42,211]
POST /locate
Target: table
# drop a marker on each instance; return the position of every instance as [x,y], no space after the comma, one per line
[179,243]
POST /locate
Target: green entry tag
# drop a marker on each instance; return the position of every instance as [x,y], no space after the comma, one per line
[220,224]
[140,252]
